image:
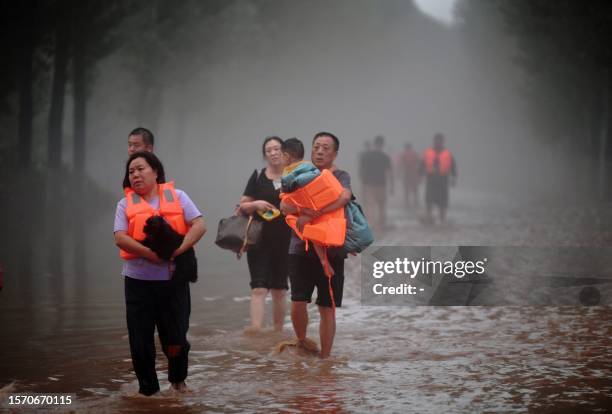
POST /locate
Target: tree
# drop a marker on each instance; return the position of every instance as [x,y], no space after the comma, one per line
[93,26]
[562,51]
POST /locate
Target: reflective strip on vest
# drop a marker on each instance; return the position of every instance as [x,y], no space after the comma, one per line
[168,195]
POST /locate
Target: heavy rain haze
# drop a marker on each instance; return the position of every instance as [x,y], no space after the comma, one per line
[520,90]
[212,80]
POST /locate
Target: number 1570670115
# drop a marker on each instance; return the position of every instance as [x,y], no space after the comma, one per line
[39,399]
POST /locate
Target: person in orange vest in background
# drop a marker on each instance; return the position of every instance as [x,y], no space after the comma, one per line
[408,168]
[438,165]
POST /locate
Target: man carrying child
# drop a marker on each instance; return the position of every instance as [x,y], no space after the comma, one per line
[307,267]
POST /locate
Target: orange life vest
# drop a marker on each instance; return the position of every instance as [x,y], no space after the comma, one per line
[138,210]
[445,160]
[328,229]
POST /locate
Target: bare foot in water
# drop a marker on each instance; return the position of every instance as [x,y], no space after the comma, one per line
[309,345]
[306,345]
[251,331]
[180,387]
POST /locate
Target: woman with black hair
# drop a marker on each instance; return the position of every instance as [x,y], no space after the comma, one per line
[152,298]
[268,259]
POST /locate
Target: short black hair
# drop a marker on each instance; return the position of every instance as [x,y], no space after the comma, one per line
[293,147]
[147,135]
[268,139]
[152,160]
[328,134]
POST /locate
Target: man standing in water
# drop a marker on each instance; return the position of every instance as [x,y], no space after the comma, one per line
[305,269]
[438,164]
[140,139]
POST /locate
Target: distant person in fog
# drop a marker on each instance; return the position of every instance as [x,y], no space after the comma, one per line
[439,167]
[367,147]
[377,178]
[408,164]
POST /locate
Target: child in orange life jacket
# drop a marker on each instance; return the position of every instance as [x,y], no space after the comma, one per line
[297,175]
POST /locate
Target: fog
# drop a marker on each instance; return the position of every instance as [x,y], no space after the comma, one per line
[213,83]
[356,69]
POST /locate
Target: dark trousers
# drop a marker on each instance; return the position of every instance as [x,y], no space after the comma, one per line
[164,304]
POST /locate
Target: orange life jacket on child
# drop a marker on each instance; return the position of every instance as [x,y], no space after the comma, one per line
[138,210]
[445,160]
[330,228]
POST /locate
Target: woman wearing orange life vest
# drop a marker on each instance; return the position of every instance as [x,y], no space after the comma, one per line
[152,299]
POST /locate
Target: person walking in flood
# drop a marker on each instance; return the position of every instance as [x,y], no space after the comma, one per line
[439,167]
[267,260]
[377,178]
[298,175]
[408,164]
[305,269]
[152,298]
[363,156]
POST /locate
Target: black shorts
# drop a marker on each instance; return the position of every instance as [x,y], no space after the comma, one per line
[306,272]
[268,267]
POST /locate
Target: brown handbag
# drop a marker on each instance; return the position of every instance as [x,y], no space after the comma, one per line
[238,233]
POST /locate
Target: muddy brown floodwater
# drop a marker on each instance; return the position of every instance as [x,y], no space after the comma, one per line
[385,359]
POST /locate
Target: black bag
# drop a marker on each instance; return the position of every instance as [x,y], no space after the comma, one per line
[238,233]
[164,240]
[185,267]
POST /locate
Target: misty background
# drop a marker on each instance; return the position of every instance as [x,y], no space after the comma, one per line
[520,89]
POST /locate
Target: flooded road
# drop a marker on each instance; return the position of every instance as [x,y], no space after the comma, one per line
[385,359]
